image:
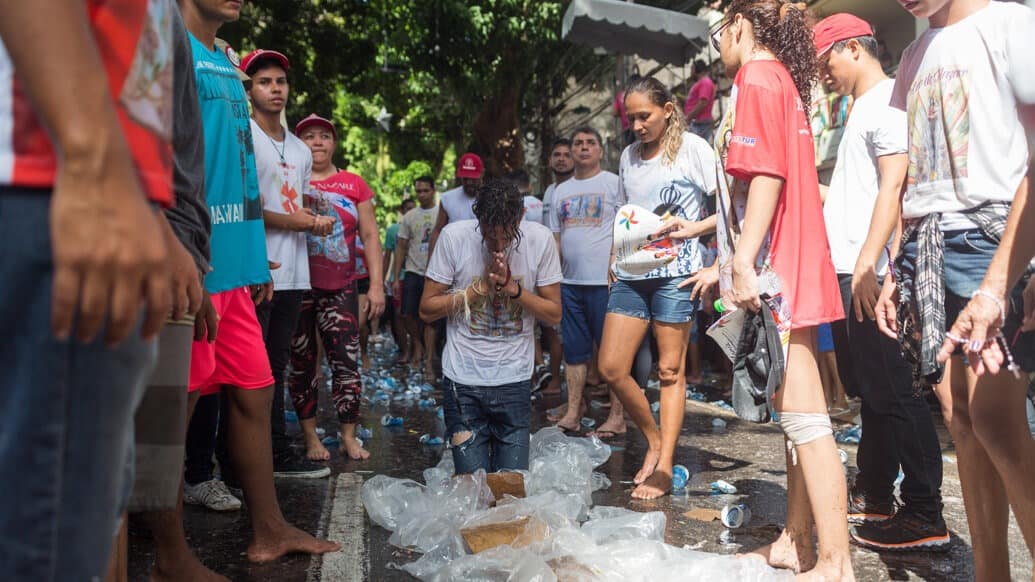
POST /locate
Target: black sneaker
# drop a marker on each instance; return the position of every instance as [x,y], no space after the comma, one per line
[292,464]
[863,510]
[903,532]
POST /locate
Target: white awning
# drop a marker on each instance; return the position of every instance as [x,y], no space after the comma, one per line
[625,28]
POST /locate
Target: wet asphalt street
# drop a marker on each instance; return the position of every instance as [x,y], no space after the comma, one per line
[748,456]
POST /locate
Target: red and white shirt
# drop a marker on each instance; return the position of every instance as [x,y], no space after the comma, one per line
[134,38]
[765,133]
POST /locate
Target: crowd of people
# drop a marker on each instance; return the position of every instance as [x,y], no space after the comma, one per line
[186,263]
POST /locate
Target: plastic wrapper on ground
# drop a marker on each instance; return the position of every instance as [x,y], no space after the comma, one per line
[563,538]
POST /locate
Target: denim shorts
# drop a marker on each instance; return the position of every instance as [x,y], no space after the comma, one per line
[583,310]
[499,419]
[658,299]
[967,256]
[412,290]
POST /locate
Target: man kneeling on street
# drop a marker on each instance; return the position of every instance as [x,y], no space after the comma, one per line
[493,277]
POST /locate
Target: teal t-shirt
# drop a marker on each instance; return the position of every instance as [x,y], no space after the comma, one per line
[391,238]
[231,183]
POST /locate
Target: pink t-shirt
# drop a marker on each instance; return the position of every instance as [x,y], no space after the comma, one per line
[703,89]
[766,133]
[332,258]
[619,109]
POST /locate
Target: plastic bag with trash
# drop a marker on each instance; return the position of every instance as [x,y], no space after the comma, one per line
[607,524]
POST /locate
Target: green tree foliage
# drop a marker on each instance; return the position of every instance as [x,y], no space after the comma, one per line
[455,76]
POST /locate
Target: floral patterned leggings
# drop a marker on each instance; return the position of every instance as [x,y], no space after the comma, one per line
[334,314]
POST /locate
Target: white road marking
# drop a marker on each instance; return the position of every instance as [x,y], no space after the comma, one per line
[346,525]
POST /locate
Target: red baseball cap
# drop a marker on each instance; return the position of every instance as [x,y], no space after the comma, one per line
[318,121]
[264,54]
[470,166]
[835,28]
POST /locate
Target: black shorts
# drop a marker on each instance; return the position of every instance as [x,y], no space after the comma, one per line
[412,289]
[363,286]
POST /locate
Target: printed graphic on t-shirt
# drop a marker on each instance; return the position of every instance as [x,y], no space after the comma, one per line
[582,210]
[939,133]
[495,315]
[146,91]
[290,199]
[335,246]
[425,237]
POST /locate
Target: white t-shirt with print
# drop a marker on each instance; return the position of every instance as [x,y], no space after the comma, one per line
[416,226]
[874,129]
[282,186]
[457,204]
[584,215]
[966,143]
[678,188]
[496,346]
[533,209]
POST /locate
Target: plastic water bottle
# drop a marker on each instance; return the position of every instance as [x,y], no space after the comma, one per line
[587,422]
[440,413]
[718,423]
[735,516]
[426,388]
[431,441]
[389,420]
[723,487]
[655,406]
[364,433]
[680,478]
[426,403]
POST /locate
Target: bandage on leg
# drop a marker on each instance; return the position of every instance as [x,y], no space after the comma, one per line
[802,428]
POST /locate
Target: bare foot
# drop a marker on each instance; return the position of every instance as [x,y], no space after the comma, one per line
[615,428]
[355,451]
[287,540]
[185,568]
[650,463]
[832,572]
[787,553]
[657,484]
[569,424]
[315,451]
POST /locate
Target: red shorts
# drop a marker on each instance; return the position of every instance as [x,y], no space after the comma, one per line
[238,356]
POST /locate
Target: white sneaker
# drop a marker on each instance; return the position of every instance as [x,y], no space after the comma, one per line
[212,494]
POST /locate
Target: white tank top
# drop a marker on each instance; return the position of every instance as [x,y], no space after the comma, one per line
[458,206]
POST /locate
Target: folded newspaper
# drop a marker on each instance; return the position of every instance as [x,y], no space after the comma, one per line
[636,252]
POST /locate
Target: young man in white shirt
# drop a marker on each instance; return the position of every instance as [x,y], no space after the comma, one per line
[458,203]
[411,254]
[284,164]
[563,167]
[867,180]
[582,221]
[968,158]
[493,277]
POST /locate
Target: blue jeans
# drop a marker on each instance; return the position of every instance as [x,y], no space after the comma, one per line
[66,416]
[967,256]
[498,419]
